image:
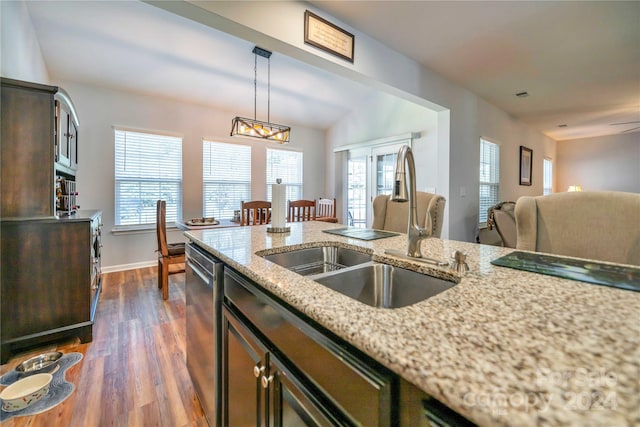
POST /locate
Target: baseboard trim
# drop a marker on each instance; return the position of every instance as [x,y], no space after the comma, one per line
[133,266]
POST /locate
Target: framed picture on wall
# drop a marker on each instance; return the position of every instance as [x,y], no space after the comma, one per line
[526,163]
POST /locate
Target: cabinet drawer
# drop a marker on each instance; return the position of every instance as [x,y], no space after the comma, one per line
[354,382]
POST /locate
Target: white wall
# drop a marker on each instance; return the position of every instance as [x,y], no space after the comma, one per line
[510,134]
[20,54]
[100,109]
[605,163]
[386,116]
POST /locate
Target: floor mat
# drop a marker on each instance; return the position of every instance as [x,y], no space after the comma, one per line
[59,389]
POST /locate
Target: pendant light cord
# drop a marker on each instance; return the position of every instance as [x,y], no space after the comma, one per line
[255,86]
[269,91]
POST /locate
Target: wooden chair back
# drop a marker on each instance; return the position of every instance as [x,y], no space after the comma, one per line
[161,227]
[255,212]
[301,210]
[168,253]
[326,210]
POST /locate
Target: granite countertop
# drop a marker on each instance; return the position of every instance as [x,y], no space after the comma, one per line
[502,347]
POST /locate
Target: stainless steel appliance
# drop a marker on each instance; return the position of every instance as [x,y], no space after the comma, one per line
[203,324]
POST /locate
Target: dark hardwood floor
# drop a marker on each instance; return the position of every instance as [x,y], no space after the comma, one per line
[133,372]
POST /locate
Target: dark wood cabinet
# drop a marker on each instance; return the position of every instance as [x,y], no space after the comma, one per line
[253,373]
[296,372]
[28,174]
[50,280]
[50,265]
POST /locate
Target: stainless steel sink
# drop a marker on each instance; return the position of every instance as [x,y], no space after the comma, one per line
[318,260]
[384,286]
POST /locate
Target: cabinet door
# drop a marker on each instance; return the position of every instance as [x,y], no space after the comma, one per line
[63,151]
[244,365]
[73,144]
[295,406]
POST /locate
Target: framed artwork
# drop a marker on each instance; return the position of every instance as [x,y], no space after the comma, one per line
[320,33]
[526,163]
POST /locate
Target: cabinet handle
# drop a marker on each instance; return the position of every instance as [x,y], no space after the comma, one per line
[265,381]
[258,370]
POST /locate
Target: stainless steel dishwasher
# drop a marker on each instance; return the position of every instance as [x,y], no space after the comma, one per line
[203,288]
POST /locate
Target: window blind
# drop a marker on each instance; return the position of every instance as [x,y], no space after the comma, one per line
[288,166]
[226,178]
[547,186]
[148,167]
[489,177]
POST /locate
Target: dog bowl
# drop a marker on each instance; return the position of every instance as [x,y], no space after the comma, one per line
[39,364]
[25,392]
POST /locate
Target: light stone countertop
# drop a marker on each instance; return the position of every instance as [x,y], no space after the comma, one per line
[502,347]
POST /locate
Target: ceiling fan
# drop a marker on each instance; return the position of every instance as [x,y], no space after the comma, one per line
[627,123]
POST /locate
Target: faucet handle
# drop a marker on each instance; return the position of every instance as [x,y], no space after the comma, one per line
[459,263]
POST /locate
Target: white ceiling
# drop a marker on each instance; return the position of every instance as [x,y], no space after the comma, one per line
[137,47]
[579,61]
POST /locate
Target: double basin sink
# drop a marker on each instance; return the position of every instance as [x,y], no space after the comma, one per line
[356,275]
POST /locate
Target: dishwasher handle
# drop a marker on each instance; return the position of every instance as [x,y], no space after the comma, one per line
[205,276]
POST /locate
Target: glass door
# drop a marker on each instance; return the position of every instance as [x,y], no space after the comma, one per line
[370,173]
[357,189]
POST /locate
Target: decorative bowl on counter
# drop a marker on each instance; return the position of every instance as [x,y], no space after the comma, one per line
[41,363]
[203,221]
[25,392]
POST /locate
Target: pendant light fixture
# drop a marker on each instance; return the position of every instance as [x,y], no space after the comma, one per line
[242,126]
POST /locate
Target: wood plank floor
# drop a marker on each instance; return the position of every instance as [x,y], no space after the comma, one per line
[134,371]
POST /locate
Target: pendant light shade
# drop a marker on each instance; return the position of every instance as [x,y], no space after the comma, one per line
[242,126]
[256,129]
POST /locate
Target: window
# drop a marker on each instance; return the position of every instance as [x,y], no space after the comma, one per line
[489,177]
[288,166]
[547,185]
[226,178]
[148,167]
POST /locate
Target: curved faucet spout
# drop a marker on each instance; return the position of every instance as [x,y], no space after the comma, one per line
[400,194]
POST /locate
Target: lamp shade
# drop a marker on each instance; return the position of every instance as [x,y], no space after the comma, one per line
[574,188]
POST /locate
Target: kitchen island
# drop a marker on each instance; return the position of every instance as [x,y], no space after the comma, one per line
[501,347]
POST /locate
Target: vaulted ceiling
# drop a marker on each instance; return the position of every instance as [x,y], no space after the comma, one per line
[578,61]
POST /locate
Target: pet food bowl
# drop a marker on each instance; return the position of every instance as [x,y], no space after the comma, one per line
[42,363]
[25,392]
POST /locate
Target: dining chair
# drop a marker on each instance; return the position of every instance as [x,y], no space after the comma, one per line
[301,210]
[255,212]
[394,216]
[326,210]
[168,253]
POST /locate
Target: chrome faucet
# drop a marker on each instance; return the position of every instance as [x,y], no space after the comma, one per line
[414,231]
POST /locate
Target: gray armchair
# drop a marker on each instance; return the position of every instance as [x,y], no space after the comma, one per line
[394,216]
[595,225]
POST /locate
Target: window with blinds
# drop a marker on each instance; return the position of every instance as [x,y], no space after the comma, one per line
[148,167]
[547,179]
[288,166]
[226,178]
[489,177]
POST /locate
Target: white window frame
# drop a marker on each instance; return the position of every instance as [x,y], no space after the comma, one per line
[547,176]
[488,177]
[151,160]
[294,179]
[226,177]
